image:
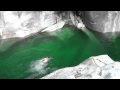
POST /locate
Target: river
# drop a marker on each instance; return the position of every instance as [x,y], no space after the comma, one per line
[21,58]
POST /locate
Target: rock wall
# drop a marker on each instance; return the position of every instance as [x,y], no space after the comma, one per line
[102,21]
[96,67]
[24,23]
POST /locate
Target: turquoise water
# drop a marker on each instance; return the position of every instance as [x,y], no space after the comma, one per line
[66,47]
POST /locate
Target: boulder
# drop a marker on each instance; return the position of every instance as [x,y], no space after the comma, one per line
[24,23]
[96,67]
[102,21]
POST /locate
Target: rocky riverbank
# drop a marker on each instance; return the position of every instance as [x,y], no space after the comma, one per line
[96,67]
[20,24]
[24,23]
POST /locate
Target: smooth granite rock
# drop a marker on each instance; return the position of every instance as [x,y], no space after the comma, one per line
[24,23]
[96,67]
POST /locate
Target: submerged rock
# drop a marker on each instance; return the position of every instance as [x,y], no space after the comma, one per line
[96,67]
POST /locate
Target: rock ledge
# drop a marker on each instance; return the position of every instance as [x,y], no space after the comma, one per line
[96,67]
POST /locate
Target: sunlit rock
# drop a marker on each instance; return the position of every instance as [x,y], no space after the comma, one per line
[24,23]
[98,67]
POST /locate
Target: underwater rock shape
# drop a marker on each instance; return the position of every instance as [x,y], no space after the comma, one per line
[98,67]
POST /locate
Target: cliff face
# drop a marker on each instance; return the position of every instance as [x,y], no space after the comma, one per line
[23,23]
[102,21]
[99,67]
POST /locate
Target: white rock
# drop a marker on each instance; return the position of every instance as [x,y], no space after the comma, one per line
[102,60]
[27,23]
[97,67]
[24,23]
[55,27]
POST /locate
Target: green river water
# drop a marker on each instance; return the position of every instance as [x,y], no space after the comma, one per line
[66,47]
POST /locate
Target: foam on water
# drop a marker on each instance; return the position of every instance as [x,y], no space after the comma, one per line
[38,66]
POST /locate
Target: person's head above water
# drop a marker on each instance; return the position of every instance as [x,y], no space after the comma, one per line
[46,59]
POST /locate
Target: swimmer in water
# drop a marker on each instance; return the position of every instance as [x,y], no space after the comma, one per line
[46,59]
